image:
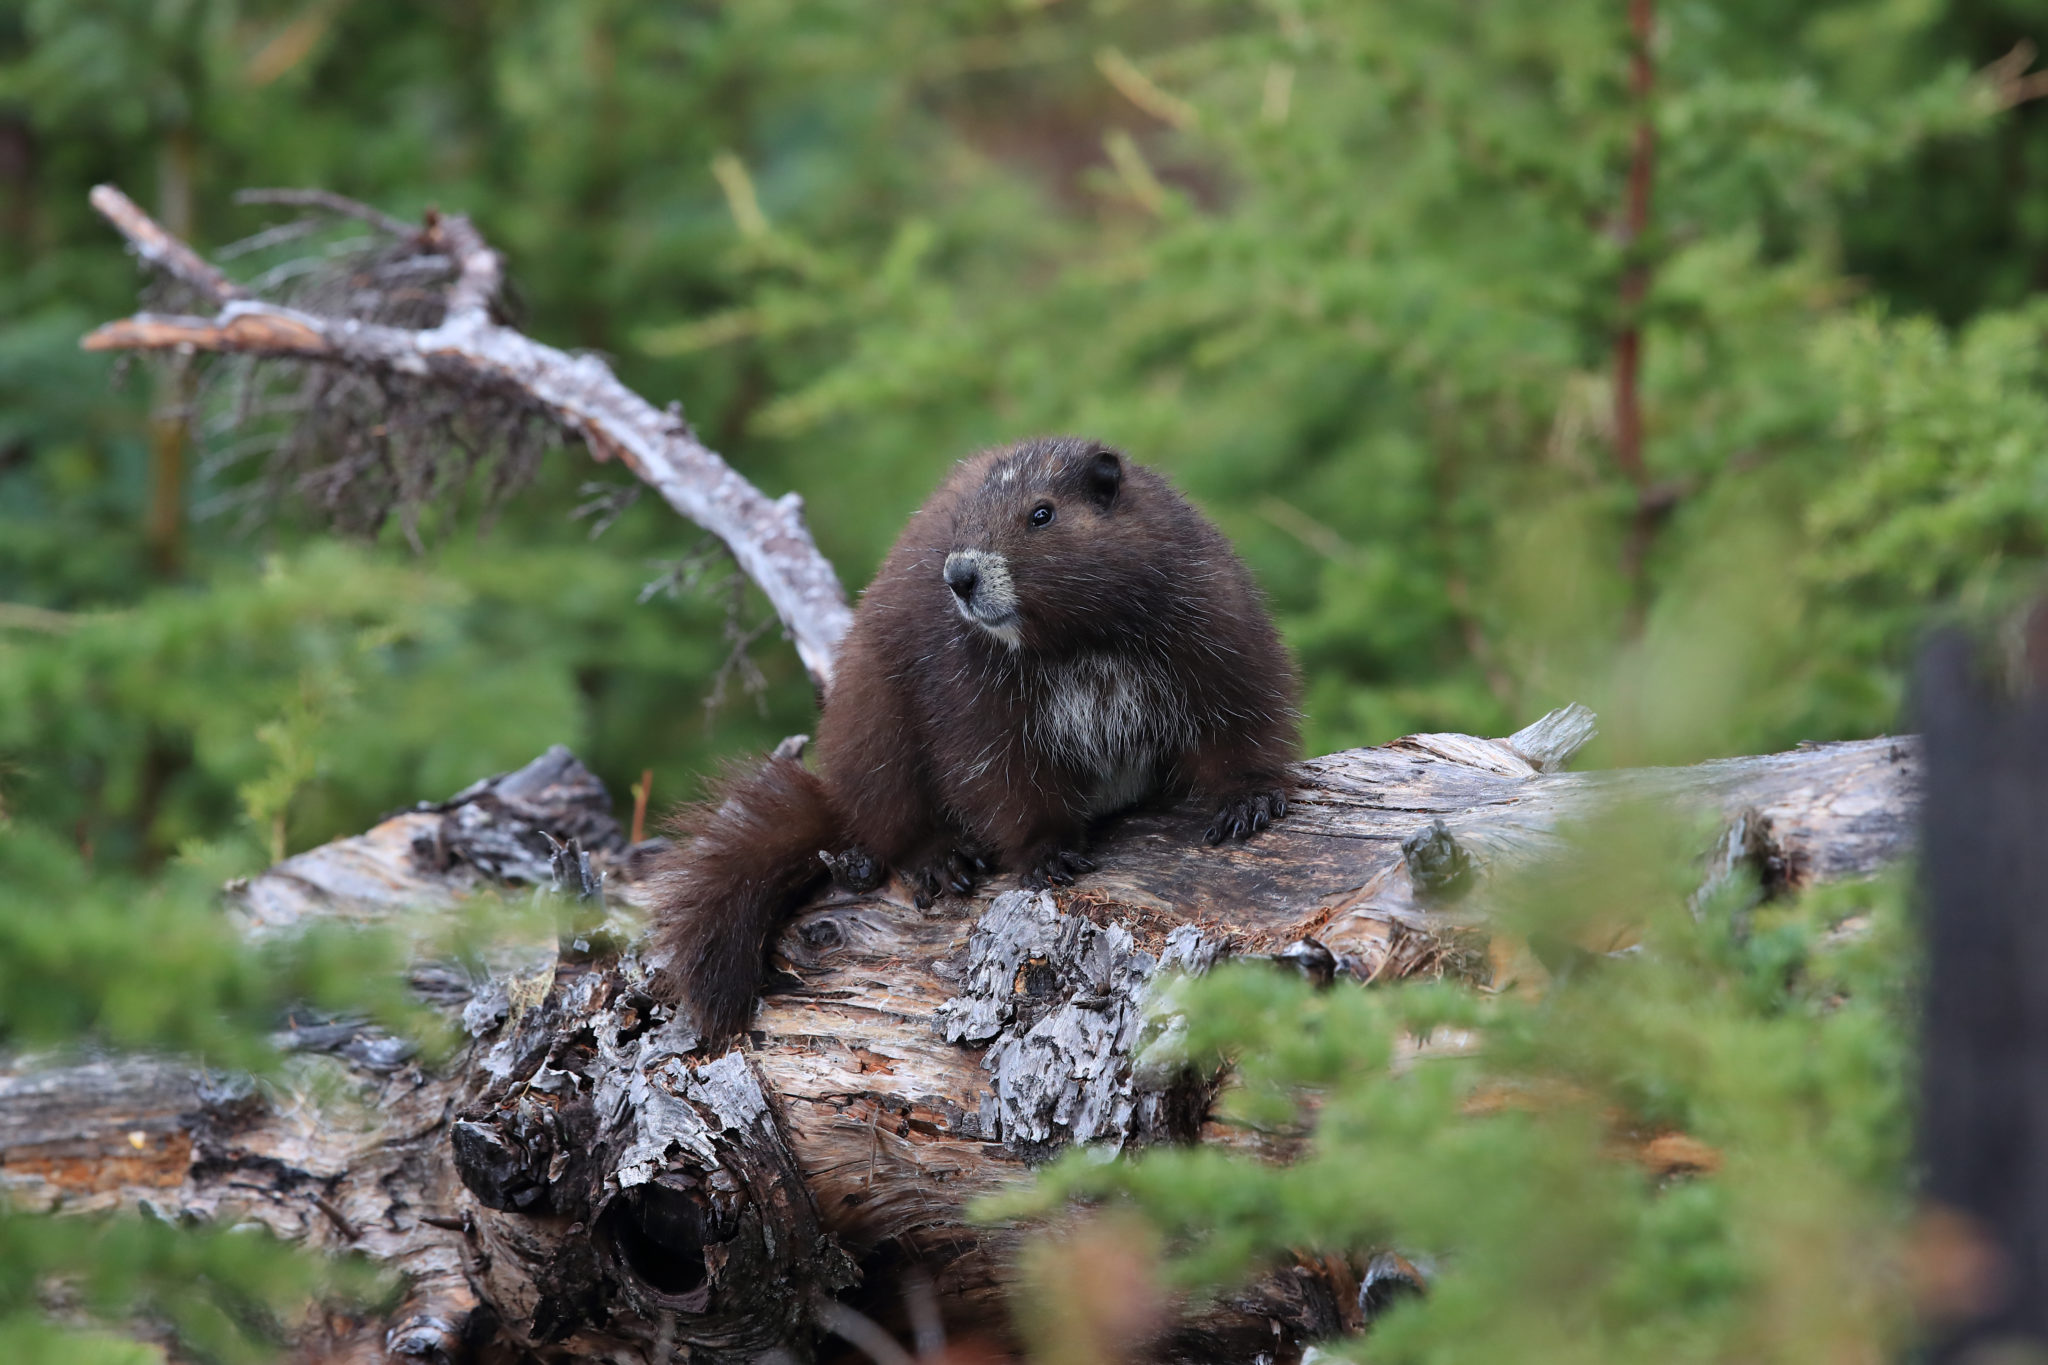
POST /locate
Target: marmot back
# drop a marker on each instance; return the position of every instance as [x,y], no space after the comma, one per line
[1056,635]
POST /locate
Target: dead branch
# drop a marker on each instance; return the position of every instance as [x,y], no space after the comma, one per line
[329,202]
[153,244]
[470,351]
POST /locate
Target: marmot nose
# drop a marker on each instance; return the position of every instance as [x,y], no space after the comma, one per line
[962,577]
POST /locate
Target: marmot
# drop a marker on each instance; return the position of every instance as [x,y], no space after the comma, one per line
[1056,635]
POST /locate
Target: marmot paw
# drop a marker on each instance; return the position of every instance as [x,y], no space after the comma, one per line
[1243,816]
[1055,867]
[855,870]
[956,870]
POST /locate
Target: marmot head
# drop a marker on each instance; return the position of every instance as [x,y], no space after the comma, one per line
[1059,544]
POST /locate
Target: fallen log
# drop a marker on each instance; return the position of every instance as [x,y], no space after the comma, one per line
[583,1181]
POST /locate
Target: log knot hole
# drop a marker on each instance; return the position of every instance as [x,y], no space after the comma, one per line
[657,1232]
[627,1185]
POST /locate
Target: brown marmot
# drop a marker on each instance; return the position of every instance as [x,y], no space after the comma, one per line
[1056,635]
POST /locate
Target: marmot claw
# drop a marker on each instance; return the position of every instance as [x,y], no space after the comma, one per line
[1244,816]
[1058,867]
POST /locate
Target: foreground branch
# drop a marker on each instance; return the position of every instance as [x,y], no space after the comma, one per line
[585,1183]
[470,350]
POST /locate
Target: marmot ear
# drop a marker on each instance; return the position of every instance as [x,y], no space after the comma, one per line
[1105,476]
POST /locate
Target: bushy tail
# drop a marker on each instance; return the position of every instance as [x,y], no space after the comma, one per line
[745,857]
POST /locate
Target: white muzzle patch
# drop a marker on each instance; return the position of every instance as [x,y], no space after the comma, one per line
[983,593]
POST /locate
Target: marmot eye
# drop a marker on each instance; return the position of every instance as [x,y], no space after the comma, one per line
[1041,515]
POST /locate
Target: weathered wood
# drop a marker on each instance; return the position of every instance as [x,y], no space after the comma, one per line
[583,1181]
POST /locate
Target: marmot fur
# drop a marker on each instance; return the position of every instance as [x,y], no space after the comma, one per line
[1056,635]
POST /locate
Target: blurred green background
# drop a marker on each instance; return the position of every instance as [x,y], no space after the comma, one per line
[1352,273]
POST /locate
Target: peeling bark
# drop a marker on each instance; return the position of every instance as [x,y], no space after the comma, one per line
[583,1182]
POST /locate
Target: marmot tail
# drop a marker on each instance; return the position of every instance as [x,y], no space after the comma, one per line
[748,856]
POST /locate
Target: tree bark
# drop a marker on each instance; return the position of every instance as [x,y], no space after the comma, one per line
[583,1181]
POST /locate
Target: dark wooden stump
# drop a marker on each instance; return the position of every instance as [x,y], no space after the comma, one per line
[1984,1125]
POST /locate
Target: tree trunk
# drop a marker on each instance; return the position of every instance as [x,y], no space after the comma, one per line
[583,1182]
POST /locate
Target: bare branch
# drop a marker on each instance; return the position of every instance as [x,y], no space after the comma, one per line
[328,201]
[160,248]
[480,272]
[468,351]
[262,330]
[2008,81]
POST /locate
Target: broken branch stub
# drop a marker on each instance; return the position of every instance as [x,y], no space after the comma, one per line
[470,351]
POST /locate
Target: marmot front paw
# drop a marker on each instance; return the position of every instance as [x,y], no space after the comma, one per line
[1054,867]
[1244,816]
[955,869]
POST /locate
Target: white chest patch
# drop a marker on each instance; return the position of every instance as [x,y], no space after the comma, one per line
[1116,718]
